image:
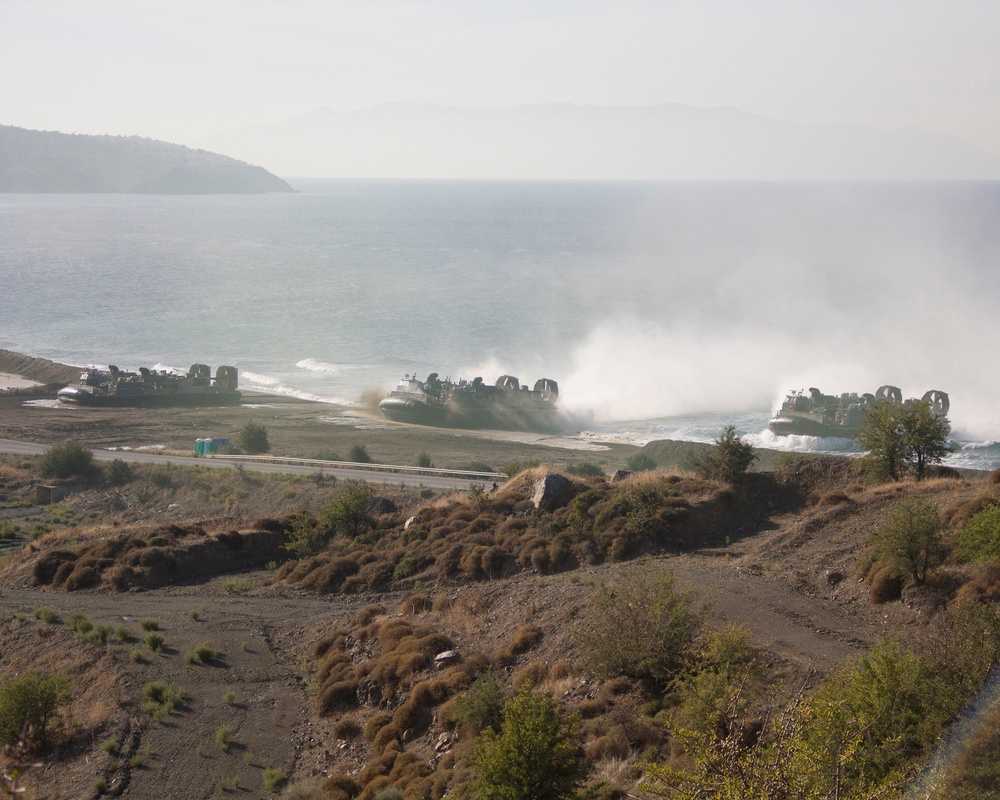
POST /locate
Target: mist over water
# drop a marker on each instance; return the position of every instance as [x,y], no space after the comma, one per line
[666,309]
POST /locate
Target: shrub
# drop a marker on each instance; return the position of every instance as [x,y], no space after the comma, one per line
[730,460]
[46,614]
[161,698]
[481,705]
[642,628]
[273,778]
[30,702]
[911,540]
[222,735]
[979,538]
[205,652]
[586,469]
[66,461]
[154,641]
[359,454]
[535,755]
[253,439]
[117,473]
[640,462]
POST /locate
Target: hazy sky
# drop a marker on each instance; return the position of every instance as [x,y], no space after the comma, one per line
[186,71]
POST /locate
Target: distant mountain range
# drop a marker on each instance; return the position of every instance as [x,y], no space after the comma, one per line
[46,161]
[561,141]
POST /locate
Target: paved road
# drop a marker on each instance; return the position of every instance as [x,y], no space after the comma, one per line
[430,481]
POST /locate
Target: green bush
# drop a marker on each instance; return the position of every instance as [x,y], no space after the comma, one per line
[253,439]
[910,542]
[730,460]
[29,704]
[161,699]
[535,756]
[66,461]
[46,614]
[359,454]
[481,705]
[222,738]
[640,462]
[205,652]
[8,530]
[979,538]
[273,778]
[642,628]
[586,469]
[117,473]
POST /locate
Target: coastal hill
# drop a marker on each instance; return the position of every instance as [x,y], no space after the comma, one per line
[47,161]
[561,141]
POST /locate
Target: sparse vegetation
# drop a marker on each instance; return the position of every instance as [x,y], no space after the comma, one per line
[720,708]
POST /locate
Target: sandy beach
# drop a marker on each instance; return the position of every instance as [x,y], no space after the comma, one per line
[9,381]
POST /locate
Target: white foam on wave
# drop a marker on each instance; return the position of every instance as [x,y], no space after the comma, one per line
[314,365]
[267,384]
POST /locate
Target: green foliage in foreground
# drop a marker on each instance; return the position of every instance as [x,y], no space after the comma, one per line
[535,756]
[29,707]
[863,735]
[67,460]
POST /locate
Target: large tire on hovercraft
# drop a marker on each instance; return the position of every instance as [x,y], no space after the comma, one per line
[889,394]
[939,401]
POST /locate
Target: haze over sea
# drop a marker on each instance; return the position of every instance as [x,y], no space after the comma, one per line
[667,309]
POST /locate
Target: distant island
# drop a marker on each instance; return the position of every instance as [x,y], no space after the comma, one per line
[47,161]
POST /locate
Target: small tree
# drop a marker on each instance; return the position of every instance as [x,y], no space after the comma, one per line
[253,439]
[925,435]
[29,707]
[67,460]
[900,436]
[730,460]
[534,757]
[352,511]
[911,541]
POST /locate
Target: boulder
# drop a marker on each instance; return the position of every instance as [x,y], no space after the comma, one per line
[552,491]
[620,475]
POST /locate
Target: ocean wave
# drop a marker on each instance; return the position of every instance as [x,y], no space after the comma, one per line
[314,365]
[266,384]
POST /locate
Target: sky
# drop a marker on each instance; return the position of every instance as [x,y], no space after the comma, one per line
[186,71]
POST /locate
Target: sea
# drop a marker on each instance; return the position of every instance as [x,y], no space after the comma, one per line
[664,310]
